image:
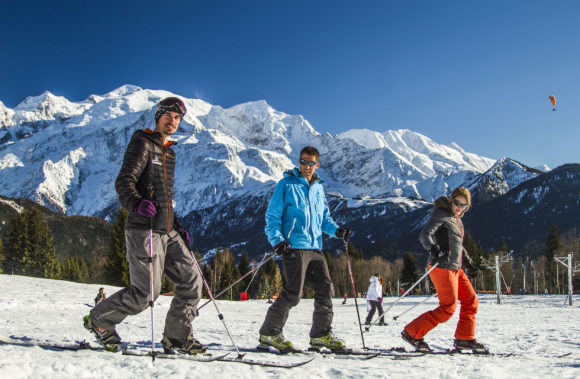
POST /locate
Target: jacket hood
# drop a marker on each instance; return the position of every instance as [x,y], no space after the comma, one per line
[373,279]
[443,203]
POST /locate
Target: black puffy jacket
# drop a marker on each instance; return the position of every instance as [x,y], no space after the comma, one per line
[147,173]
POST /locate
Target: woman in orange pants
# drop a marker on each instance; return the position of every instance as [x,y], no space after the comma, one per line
[442,236]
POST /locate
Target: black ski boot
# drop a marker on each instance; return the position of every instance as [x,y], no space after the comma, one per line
[472,345]
[187,346]
[108,338]
[417,343]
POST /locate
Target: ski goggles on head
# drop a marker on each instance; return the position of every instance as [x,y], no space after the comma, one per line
[304,162]
[459,204]
[170,104]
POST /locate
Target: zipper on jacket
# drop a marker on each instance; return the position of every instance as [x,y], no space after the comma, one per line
[291,229]
[166,192]
[462,232]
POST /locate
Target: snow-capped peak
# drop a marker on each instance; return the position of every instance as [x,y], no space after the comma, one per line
[223,154]
[45,107]
[419,151]
[124,90]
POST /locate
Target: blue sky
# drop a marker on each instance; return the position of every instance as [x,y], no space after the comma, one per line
[478,73]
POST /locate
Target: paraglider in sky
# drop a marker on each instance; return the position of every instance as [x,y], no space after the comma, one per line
[553,100]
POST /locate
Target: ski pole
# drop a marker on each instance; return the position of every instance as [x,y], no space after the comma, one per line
[402,296]
[151,301]
[354,293]
[220,315]
[251,280]
[238,280]
[414,306]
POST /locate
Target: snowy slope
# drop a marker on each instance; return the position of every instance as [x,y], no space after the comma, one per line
[534,327]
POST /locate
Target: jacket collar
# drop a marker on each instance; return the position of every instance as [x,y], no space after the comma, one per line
[295,173]
[156,138]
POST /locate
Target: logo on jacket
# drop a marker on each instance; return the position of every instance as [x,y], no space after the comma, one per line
[156,160]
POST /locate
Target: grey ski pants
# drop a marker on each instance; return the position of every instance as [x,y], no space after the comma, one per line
[170,256]
[302,267]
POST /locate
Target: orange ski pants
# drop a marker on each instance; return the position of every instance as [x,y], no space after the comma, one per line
[451,286]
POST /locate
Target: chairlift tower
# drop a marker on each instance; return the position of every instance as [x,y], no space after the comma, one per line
[503,257]
[571,270]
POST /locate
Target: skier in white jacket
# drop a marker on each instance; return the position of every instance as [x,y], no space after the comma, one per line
[375,298]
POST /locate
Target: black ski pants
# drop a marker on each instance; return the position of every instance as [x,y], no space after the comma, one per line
[302,267]
[374,306]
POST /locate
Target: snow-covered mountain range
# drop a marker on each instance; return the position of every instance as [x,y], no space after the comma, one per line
[66,155]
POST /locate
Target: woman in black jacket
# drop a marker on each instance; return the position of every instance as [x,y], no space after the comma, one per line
[442,236]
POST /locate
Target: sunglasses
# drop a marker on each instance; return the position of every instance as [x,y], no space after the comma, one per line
[308,163]
[459,204]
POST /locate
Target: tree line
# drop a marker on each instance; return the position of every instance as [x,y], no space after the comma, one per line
[28,249]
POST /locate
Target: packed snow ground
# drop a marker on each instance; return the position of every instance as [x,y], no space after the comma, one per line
[536,326]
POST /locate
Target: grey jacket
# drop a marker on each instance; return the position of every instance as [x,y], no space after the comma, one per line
[445,230]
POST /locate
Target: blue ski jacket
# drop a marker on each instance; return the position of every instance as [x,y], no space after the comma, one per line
[298,212]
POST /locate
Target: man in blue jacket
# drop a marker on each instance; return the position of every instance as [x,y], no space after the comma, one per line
[296,217]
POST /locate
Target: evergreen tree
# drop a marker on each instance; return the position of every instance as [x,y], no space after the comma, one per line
[409,273]
[355,255]
[68,271]
[229,270]
[553,244]
[265,289]
[16,248]
[244,267]
[277,281]
[116,266]
[503,247]
[269,269]
[45,264]
[472,249]
[96,268]
[30,247]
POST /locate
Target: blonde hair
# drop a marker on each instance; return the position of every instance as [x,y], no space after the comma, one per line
[462,191]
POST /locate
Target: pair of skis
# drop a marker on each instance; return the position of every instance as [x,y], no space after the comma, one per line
[126,350]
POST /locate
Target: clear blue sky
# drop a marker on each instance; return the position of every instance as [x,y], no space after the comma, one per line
[478,73]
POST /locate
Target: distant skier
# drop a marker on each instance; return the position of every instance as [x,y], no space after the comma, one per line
[100,296]
[145,188]
[345,296]
[295,219]
[442,236]
[375,299]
